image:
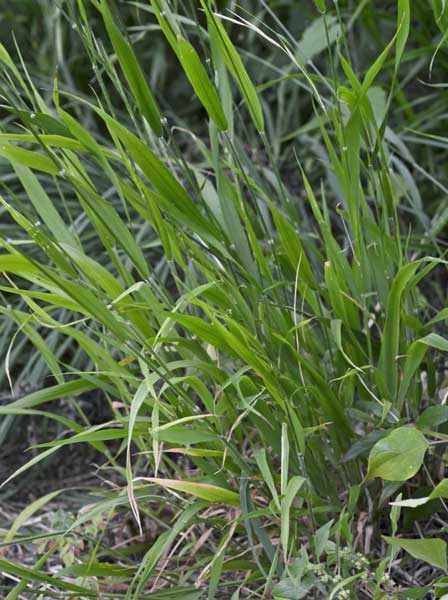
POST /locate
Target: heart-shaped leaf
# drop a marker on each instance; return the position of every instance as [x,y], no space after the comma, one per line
[398,456]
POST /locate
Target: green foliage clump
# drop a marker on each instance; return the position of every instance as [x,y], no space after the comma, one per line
[223,271]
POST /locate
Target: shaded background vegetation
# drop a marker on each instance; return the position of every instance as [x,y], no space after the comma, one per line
[51,42]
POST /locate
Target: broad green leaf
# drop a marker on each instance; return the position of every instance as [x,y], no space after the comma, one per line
[36,577]
[72,388]
[292,489]
[235,65]
[398,456]
[205,491]
[17,264]
[433,416]
[184,435]
[132,71]
[431,550]
[196,452]
[434,340]
[440,491]
[27,158]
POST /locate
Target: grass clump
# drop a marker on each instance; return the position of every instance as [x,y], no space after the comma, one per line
[244,273]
